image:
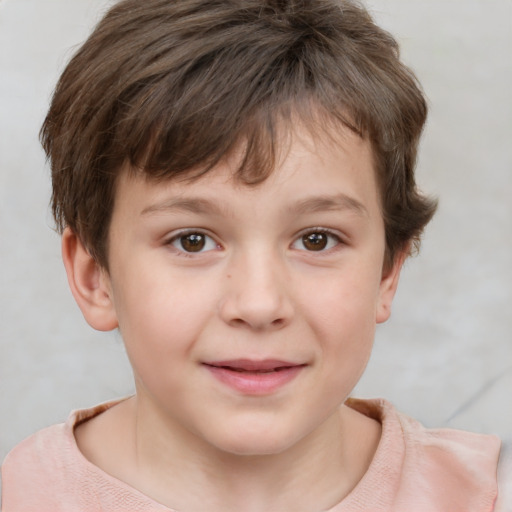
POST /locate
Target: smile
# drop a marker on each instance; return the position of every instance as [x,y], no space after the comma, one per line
[254,377]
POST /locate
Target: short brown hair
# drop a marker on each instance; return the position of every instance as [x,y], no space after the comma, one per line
[171,87]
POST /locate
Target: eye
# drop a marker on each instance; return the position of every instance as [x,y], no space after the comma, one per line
[317,240]
[193,242]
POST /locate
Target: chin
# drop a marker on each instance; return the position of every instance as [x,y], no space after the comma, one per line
[268,440]
[254,448]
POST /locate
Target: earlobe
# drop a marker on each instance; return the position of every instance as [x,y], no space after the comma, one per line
[388,286]
[89,284]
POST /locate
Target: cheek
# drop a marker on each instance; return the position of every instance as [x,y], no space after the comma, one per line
[343,302]
[160,316]
[343,320]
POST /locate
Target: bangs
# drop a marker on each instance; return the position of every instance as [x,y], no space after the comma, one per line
[257,145]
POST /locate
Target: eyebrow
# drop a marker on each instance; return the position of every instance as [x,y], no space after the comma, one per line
[191,204]
[337,202]
[199,205]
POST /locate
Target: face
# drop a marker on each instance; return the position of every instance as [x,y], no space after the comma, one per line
[248,313]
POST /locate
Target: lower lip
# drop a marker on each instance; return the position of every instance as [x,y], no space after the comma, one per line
[254,383]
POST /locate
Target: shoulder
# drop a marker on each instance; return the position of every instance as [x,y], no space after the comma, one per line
[455,466]
[446,444]
[427,470]
[47,471]
[29,470]
[52,448]
[39,451]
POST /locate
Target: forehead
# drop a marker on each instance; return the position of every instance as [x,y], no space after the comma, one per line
[311,173]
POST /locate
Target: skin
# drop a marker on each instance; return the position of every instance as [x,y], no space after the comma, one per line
[255,291]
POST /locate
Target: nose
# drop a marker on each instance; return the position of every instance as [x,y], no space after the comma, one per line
[257,293]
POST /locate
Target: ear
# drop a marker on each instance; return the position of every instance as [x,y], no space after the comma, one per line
[388,286]
[89,283]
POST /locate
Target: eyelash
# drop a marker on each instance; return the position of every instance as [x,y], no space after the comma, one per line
[332,235]
[182,234]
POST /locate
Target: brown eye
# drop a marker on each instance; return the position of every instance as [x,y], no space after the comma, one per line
[193,242]
[315,241]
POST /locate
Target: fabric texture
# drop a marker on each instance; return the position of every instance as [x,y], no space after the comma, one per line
[414,469]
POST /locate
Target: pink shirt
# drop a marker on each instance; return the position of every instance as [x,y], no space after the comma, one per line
[414,470]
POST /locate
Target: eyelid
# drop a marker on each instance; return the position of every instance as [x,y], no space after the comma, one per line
[176,235]
[320,229]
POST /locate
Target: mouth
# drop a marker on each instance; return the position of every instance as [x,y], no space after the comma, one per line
[253,377]
[251,366]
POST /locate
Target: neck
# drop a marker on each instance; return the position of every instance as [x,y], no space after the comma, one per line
[184,472]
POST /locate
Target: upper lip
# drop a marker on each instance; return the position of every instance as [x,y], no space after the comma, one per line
[252,364]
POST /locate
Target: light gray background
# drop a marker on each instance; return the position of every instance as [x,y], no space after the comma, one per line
[445,357]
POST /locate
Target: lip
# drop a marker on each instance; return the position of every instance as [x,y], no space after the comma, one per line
[252,377]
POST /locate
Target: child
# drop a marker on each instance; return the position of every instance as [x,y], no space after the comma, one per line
[235,189]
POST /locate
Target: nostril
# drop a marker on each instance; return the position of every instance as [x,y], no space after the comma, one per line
[275,324]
